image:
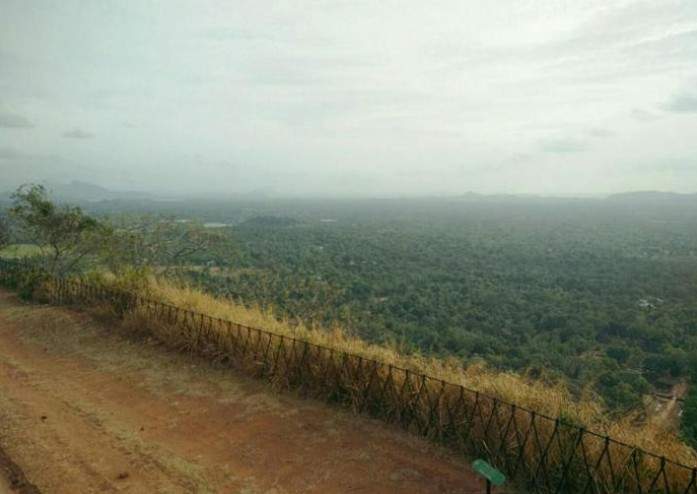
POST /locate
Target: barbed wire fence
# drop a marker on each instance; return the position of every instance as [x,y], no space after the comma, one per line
[541,454]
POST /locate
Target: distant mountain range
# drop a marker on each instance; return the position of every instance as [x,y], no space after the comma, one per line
[78,191]
[643,197]
[475,196]
[652,197]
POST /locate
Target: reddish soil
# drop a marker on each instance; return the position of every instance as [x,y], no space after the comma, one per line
[666,412]
[85,408]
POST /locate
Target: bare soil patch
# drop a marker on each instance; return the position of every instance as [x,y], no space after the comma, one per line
[84,408]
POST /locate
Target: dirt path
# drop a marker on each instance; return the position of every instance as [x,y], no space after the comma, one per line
[668,414]
[83,409]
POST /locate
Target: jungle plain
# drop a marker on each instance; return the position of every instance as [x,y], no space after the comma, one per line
[596,293]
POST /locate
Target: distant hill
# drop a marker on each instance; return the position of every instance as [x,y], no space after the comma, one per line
[652,197]
[476,197]
[77,191]
[85,191]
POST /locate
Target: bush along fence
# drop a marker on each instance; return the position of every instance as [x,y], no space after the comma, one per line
[540,454]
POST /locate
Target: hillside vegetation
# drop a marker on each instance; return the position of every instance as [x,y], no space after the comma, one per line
[571,309]
[545,397]
[481,422]
[598,294]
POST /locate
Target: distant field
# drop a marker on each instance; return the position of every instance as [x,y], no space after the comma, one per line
[17,251]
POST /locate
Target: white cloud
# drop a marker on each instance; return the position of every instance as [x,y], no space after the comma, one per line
[386,92]
[563,145]
[683,103]
[10,120]
[78,134]
[8,153]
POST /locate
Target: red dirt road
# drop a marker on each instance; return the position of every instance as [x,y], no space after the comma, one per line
[84,409]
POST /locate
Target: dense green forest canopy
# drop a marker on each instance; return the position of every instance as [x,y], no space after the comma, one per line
[599,291]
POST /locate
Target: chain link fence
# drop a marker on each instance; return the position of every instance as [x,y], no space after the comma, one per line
[540,454]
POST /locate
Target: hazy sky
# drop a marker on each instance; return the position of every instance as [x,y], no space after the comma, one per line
[351,97]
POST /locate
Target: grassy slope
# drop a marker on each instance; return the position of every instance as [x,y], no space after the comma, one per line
[551,399]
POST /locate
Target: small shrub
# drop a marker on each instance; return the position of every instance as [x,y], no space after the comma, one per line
[29,282]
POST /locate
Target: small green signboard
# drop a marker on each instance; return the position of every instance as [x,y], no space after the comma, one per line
[488,472]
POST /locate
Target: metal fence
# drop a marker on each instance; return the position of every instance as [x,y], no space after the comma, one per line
[538,453]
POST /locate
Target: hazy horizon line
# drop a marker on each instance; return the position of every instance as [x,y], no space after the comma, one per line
[269,193]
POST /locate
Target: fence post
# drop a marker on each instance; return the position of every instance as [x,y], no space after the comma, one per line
[346,377]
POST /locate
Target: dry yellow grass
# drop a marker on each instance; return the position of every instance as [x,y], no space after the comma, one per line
[553,400]
[472,422]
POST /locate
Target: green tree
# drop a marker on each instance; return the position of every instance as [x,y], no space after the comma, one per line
[618,353]
[688,423]
[4,231]
[66,235]
[146,242]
